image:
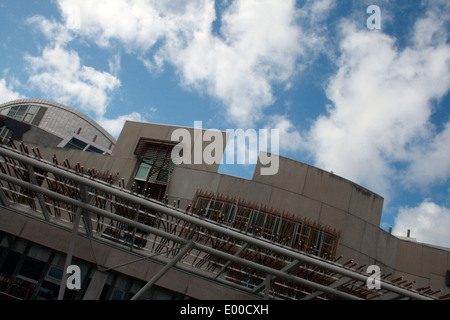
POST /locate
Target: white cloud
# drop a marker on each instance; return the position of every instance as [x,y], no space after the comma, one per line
[114,65]
[432,28]
[381,95]
[115,126]
[258,44]
[137,23]
[54,31]
[290,138]
[430,162]
[60,74]
[381,107]
[259,47]
[7,92]
[428,222]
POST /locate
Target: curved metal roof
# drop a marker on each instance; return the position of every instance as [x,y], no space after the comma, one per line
[54,104]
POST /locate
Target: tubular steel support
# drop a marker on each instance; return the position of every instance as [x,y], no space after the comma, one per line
[4,199]
[76,223]
[177,239]
[41,201]
[287,269]
[195,221]
[185,249]
[267,286]
[245,246]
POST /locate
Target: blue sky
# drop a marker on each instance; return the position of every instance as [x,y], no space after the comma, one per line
[370,105]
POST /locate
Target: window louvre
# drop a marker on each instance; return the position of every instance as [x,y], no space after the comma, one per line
[155,167]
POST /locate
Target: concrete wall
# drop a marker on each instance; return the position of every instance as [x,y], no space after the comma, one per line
[297,188]
[324,187]
[38,136]
[133,131]
[309,192]
[64,121]
[108,256]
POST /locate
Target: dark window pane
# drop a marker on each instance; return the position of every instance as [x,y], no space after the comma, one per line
[10,263]
[55,273]
[48,291]
[93,149]
[75,144]
[32,268]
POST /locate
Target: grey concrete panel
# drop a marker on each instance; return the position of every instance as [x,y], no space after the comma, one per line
[366,205]
[327,188]
[133,131]
[40,137]
[347,253]
[333,217]
[244,189]
[108,256]
[155,131]
[291,175]
[128,139]
[387,246]
[198,160]
[179,188]
[352,233]
[96,284]
[408,257]
[369,241]
[296,204]
[434,260]
[438,282]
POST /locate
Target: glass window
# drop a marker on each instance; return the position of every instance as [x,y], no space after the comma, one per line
[48,291]
[75,144]
[33,109]
[156,164]
[144,168]
[154,171]
[10,263]
[22,113]
[55,273]
[28,117]
[32,268]
[93,149]
[12,111]
[5,133]
[17,112]
[117,294]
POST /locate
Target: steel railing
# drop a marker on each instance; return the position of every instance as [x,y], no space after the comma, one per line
[178,238]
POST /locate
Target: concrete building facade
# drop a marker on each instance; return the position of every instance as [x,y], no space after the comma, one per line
[300,217]
[69,127]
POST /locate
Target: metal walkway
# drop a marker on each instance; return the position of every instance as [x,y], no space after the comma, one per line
[85,201]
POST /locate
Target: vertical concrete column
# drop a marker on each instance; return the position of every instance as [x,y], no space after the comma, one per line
[96,285]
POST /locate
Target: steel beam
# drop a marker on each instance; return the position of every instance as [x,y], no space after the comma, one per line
[183,250]
[41,201]
[177,239]
[69,255]
[195,221]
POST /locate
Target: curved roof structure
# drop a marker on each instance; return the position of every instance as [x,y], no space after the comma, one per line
[61,121]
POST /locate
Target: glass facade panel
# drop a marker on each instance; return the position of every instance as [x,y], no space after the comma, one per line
[22,113]
[155,169]
[93,149]
[75,144]
[156,164]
